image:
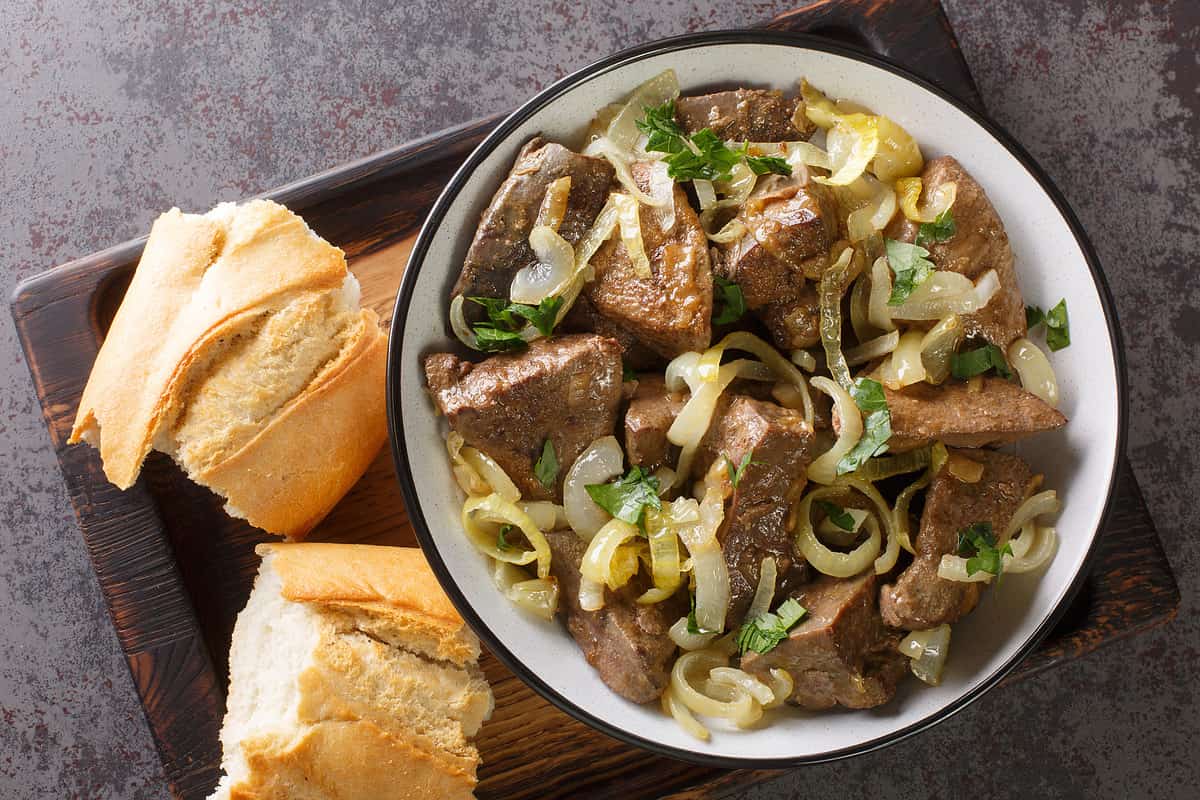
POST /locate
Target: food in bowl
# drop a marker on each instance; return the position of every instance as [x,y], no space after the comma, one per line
[718,536]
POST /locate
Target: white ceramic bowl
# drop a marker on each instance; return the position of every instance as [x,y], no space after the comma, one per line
[1054,260]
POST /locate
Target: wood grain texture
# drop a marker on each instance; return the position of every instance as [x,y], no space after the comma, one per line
[175,570]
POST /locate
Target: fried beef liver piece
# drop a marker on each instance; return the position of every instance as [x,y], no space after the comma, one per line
[626,642]
[500,248]
[779,443]
[795,324]
[919,599]
[743,115]
[564,389]
[978,245]
[670,312]
[999,412]
[650,414]
[840,653]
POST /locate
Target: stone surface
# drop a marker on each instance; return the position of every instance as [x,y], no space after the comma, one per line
[109,116]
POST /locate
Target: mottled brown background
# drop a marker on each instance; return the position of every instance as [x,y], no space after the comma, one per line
[111,114]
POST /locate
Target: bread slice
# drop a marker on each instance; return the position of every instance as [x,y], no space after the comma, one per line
[240,350]
[351,676]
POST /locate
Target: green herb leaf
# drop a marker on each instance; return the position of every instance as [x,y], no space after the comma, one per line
[729,304]
[627,373]
[977,542]
[877,425]
[1058,326]
[493,340]
[940,230]
[663,132]
[712,160]
[764,164]
[837,515]
[762,634]
[737,471]
[628,497]
[541,316]
[502,543]
[545,469]
[978,361]
[912,266]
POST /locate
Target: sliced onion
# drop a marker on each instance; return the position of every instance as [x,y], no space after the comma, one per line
[781,685]
[872,349]
[1037,376]
[493,511]
[619,159]
[899,155]
[877,469]
[662,189]
[492,473]
[936,202]
[591,595]
[744,681]
[554,268]
[851,143]
[945,293]
[824,468]
[664,557]
[546,515]
[765,592]
[954,568]
[539,596]
[900,519]
[681,372]
[904,368]
[629,220]
[706,193]
[878,311]
[685,639]
[840,536]
[739,706]
[817,107]
[833,285]
[1041,503]
[928,651]
[603,561]
[824,560]
[874,215]
[1034,554]
[804,360]
[681,715]
[891,551]
[554,204]
[732,231]
[458,323]
[801,155]
[622,129]
[467,478]
[709,570]
[788,396]
[602,461]
[938,348]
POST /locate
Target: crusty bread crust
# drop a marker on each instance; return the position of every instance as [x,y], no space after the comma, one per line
[202,282]
[391,591]
[292,473]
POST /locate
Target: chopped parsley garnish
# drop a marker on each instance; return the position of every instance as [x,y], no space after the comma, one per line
[736,471]
[940,230]
[708,157]
[761,165]
[977,543]
[729,304]
[502,330]
[978,361]
[502,544]
[877,425]
[628,497]
[1058,325]
[545,469]
[837,515]
[663,132]
[911,265]
[764,632]
[693,627]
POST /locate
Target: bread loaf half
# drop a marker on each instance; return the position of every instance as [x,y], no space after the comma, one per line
[240,350]
[351,676]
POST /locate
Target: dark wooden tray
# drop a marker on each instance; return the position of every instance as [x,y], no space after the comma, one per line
[175,570]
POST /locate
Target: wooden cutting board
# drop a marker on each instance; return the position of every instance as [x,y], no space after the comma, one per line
[175,570]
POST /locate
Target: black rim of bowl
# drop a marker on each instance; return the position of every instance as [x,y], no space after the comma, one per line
[396,355]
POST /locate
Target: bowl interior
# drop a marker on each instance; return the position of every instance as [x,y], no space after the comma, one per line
[1078,461]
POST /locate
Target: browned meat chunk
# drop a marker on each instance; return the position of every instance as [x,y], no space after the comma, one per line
[626,642]
[794,324]
[651,412]
[743,115]
[779,443]
[919,599]
[979,244]
[999,412]
[500,248]
[583,318]
[670,312]
[791,226]
[564,389]
[840,653]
